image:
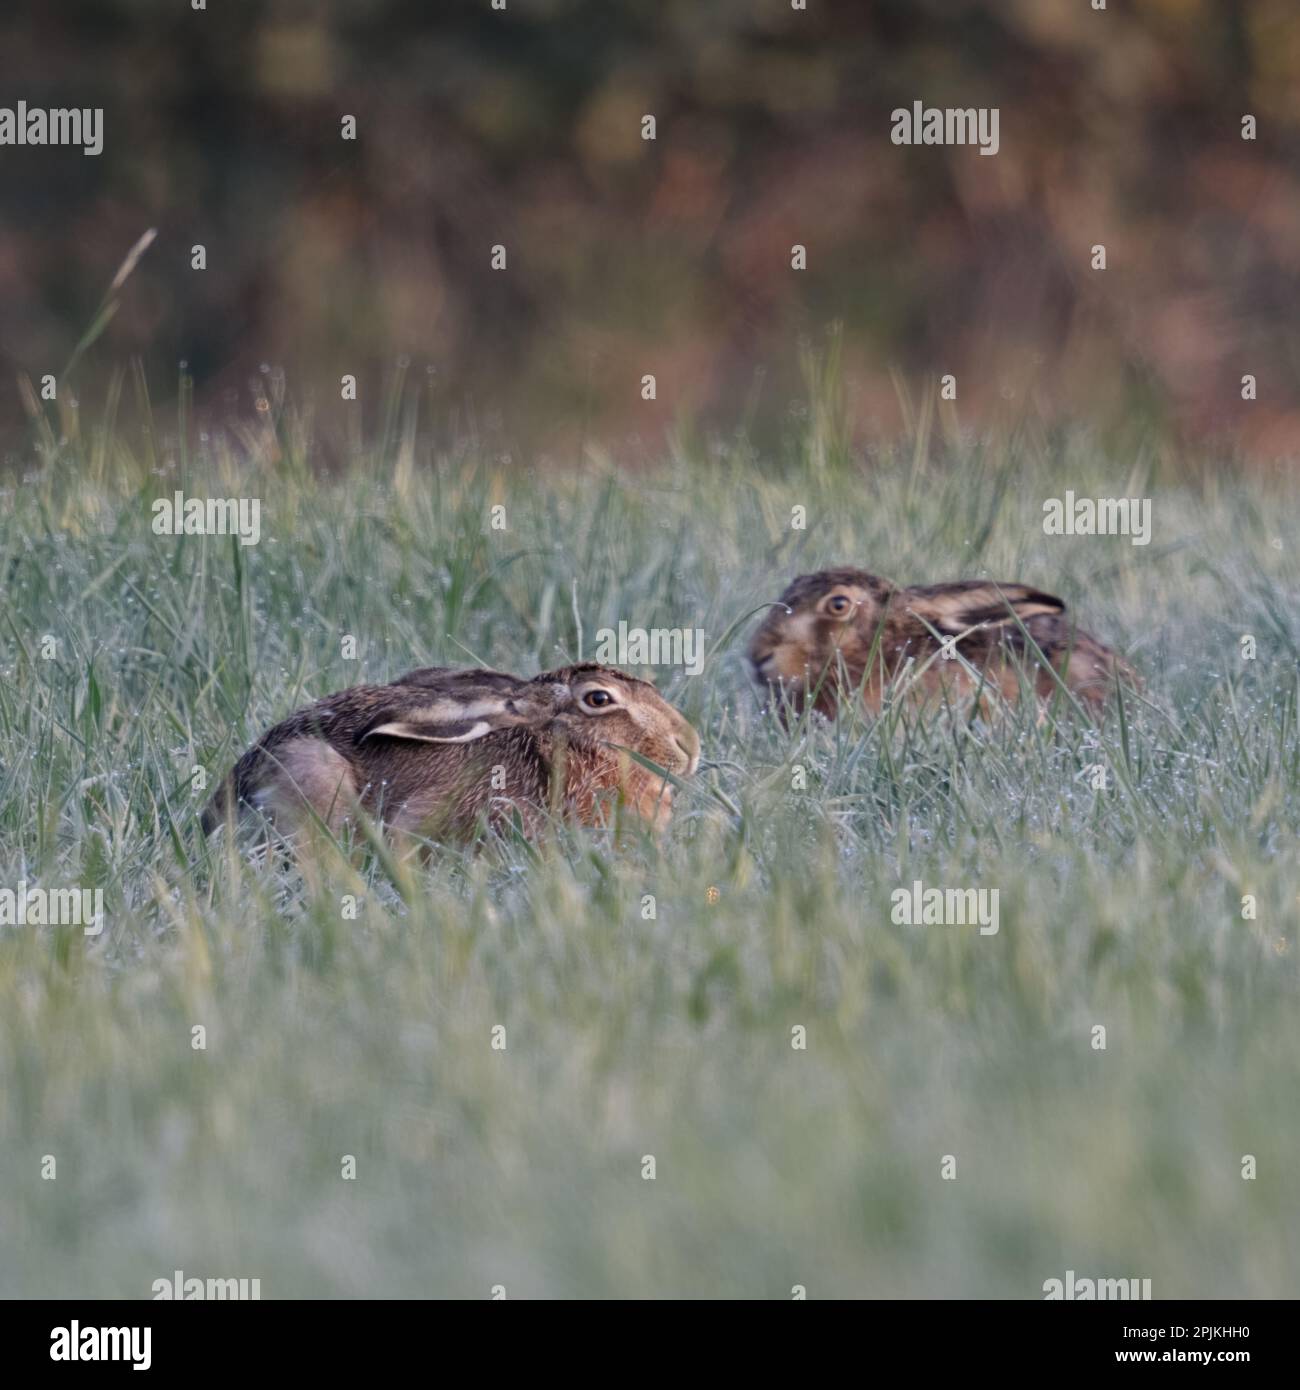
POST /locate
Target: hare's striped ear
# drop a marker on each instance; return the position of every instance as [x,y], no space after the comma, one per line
[453,721]
[954,608]
[417,731]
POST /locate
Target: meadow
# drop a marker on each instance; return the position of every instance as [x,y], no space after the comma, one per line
[627,1036]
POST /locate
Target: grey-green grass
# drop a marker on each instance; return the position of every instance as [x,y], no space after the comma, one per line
[627,1036]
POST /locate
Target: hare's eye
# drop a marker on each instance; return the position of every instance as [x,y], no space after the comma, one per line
[839,605]
[596,699]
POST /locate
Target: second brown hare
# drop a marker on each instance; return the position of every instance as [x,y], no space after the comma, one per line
[844,633]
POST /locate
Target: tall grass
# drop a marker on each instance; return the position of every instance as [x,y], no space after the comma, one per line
[629,1036]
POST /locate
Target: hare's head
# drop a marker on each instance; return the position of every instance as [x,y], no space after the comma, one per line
[598,708]
[823,623]
[599,715]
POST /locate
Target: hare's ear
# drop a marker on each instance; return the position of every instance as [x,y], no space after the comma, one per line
[422,731]
[955,608]
[454,721]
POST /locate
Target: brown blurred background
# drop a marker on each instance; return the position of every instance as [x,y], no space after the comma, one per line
[670,257]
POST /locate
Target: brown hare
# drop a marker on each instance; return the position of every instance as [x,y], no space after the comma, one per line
[442,751]
[842,631]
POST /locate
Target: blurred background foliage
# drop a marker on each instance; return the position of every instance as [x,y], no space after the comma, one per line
[671,257]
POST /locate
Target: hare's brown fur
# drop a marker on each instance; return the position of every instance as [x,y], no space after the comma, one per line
[440,752]
[841,631]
